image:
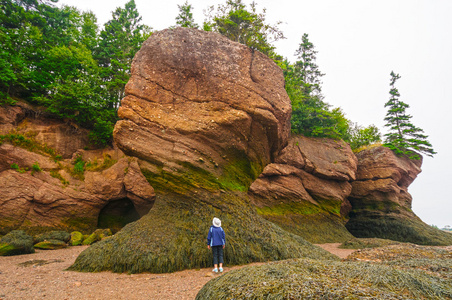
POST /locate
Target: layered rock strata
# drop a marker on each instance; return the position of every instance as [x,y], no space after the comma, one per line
[40,190]
[198,103]
[381,202]
[305,191]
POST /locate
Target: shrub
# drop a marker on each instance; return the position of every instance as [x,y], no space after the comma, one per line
[35,168]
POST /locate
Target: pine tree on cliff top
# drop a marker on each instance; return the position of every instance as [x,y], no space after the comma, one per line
[185,16]
[403,137]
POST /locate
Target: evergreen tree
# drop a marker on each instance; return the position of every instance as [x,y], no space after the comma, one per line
[185,17]
[307,69]
[247,27]
[119,41]
[403,137]
[311,116]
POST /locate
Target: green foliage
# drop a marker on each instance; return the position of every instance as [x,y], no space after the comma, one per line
[16,242]
[106,163]
[79,167]
[311,116]
[403,137]
[57,175]
[363,136]
[185,16]
[16,167]
[118,42]
[57,58]
[35,168]
[247,27]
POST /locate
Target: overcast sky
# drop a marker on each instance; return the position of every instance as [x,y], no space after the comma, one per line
[359,43]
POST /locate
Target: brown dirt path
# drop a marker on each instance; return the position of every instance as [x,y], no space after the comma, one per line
[41,276]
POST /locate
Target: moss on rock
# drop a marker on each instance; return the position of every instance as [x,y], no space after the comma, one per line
[16,242]
[173,235]
[62,236]
[50,245]
[96,236]
[396,227]
[76,238]
[316,224]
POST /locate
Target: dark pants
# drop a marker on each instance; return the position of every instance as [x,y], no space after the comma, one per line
[217,252]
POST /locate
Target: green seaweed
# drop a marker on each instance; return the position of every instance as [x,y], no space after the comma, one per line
[172,237]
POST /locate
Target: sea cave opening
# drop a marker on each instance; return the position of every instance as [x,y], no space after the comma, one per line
[116,214]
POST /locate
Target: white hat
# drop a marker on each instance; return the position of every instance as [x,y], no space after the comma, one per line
[216,222]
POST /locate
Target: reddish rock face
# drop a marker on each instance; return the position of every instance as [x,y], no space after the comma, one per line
[308,169]
[381,202]
[64,137]
[196,100]
[384,177]
[38,200]
[307,185]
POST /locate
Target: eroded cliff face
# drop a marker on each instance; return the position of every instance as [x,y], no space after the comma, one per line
[41,191]
[381,201]
[305,190]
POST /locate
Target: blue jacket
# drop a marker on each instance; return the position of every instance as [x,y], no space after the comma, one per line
[216,236]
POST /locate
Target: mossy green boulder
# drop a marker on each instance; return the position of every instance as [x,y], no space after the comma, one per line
[16,242]
[76,238]
[96,236]
[62,236]
[50,245]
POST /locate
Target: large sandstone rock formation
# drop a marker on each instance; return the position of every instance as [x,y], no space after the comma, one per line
[205,115]
[381,202]
[197,102]
[305,191]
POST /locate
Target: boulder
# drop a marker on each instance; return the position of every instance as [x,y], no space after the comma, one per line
[76,238]
[62,236]
[50,245]
[16,242]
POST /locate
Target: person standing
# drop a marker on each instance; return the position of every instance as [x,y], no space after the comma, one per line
[216,240]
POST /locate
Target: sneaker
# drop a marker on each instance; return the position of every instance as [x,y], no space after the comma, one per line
[215,270]
[221,270]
